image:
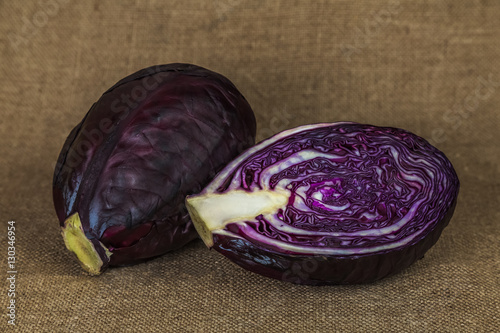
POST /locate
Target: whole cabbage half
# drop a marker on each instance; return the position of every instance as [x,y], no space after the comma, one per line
[154,137]
[331,203]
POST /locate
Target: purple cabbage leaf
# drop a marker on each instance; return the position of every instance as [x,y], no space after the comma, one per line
[154,137]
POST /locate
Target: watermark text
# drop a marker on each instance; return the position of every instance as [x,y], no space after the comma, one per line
[11,272]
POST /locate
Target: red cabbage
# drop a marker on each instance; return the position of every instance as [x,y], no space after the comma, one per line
[338,203]
[153,138]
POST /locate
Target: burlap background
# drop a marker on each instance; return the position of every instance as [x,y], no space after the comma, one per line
[431,67]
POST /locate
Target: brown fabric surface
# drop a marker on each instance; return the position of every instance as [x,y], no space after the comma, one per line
[419,65]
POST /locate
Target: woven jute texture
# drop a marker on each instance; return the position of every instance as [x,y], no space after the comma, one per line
[431,67]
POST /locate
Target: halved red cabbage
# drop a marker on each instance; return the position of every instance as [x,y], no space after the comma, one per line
[331,203]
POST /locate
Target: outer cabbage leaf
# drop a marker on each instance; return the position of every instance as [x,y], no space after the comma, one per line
[153,138]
